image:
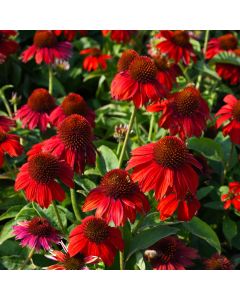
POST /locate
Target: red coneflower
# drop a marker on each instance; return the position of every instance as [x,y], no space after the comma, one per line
[119,36]
[72,104]
[184,113]
[125,60]
[73,143]
[231,113]
[170,253]
[10,144]
[117,198]
[229,72]
[95,237]
[226,42]
[187,207]
[37,234]
[6,123]
[95,59]
[164,166]
[35,114]
[46,48]
[68,34]
[138,83]
[176,44]
[233,196]
[38,177]
[218,262]
[7,46]
[66,262]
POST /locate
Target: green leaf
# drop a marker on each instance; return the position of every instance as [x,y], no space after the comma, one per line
[203,231]
[149,237]
[204,191]
[7,231]
[107,160]
[207,147]
[11,212]
[229,229]
[41,261]
[226,58]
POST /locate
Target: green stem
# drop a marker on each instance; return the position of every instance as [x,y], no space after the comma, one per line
[199,80]
[127,136]
[151,127]
[119,147]
[184,71]
[58,217]
[228,164]
[50,79]
[30,255]
[7,106]
[121,260]
[74,204]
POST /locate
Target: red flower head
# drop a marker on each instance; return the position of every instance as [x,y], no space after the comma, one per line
[233,196]
[170,253]
[37,234]
[218,262]
[176,44]
[125,60]
[9,143]
[119,36]
[167,71]
[68,34]
[117,198]
[95,59]
[37,110]
[187,207]
[73,143]
[7,46]
[164,166]
[6,123]
[95,237]
[226,42]
[46,48]
[229,72]
[66,262]
[72,104]
[231,113]
[139,83]
[38,177]
[184,113]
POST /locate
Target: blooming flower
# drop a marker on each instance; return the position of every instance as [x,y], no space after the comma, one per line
[233,196]
[72,104]
[7,46]
[187,207]
[46,48]
[9,143]
[231,113]
[117,198]
[68,34]
[138,83]
[6,123]
[119,36]
[66,262]
[176,44]
[218,262]
[94,59]
[73,143]
[37,110]
[38,177]
[164,166]
[95,237]
[226,42]
[170,253]
[184,113]
[37,233]
[229,72]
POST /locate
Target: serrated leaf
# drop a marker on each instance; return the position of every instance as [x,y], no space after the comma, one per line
[226,58]
[201,229]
